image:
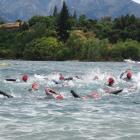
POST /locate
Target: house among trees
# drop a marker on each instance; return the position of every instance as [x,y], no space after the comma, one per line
[10,26]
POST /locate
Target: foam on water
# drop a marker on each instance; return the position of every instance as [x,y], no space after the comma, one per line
[30,116]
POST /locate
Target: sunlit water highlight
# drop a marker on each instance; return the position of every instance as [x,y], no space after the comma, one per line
[30,116]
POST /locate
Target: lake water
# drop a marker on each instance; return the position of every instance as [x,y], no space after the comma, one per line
[30,116]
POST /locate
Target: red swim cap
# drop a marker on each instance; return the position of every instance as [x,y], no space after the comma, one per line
[61,77]
[35,86]
[129,75]
[111,81]
[25,78]
[59,97]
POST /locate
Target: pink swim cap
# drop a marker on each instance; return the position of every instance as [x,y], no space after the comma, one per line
[35,86]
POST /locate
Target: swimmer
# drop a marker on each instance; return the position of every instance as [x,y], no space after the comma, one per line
[110,88]
[11,79]
[62,78]
[77,77]
[128,75]
[35,87]
[68,78]
[25,78]
[5,94]
[56,82]
[51,94]
[93,95]
[95,77]
[115,92]
[111,81]
[74,94]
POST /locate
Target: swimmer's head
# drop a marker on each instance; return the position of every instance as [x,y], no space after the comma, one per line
[35,86]
[111,81]
[129,75]
[25,78]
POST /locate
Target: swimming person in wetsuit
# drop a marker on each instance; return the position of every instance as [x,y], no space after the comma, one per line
[128,75]
[62,78]
[111,81]
[5,94]
[110,89]
[52,94]
[11,79]
[35,87]
[24,78]
[93,95]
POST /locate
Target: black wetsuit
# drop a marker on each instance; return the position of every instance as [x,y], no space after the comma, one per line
[75,95]
[116,91]
[11,80]
[5,94]
[68,79]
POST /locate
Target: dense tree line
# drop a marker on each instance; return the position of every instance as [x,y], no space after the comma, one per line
[62,36]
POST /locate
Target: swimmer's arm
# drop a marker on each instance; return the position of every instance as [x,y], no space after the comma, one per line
[122,74]
[52,91]
[5,94]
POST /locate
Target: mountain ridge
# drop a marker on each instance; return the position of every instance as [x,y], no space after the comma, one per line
[11,10]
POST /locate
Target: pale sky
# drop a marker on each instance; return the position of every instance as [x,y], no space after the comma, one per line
[137,1]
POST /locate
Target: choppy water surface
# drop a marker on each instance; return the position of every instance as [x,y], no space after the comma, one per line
[30,116]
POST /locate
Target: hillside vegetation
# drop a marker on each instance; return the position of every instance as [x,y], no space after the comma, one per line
[62,36]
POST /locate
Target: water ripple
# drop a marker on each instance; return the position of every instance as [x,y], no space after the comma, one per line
[31,116]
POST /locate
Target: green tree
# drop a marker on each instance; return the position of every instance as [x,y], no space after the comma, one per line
[75,43]
[63,25]
[45,48]
[55,13]
[2,20]
[74,15]
[125,50]
[49,21]
[24,26]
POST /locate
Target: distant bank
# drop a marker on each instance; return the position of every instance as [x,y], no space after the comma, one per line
[63,36]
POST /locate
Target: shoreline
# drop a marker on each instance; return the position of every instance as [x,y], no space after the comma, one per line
[62,60]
